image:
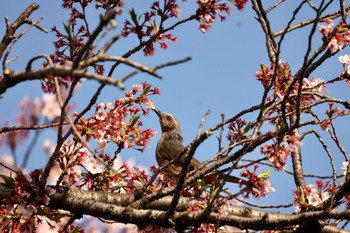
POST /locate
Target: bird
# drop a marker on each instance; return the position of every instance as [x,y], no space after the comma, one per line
[170,145]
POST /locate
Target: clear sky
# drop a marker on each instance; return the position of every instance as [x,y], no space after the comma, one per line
[220,77]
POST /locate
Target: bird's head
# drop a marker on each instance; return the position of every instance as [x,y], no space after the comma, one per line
[167,121]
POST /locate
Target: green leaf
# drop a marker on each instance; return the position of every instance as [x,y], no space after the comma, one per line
[67,29]
[342,29]
[263,69]
[248,127]
[265,174]
[214,193]
[155,26]
[282,129]
[133,16]
[201,183]
[134,120]
[9,182]
[146,90]
[302,200]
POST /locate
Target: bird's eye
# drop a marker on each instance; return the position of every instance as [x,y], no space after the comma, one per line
[168,118]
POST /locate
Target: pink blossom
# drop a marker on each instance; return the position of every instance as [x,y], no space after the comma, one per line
[54,173]
[310,196]
[93,166]
[149,104]
[28,210]
[345,167]
[345,61]
[265,187]
[257,185]
[240,4]
[48,146]
[208,11]
[51,108]
[315,84]
[73,175]
[338,36]
[325,124]
[102,145]
[9,162]
[276,154]
[127,143]
[294,145]
[136,88]
[101,114]
[25,102]
[175,11]
[82,154]
[99,134]
[326,29]
[316,199]
[333,45]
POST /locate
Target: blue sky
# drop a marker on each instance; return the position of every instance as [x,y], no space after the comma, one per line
[220,77]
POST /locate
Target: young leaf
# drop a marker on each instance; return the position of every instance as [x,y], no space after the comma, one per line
[133,16]
[9,182]
[265,174]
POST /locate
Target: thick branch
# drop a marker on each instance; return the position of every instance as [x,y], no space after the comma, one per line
[99,204]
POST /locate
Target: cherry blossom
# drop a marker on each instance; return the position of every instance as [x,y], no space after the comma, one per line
[337,37]
[208,11]
[119,123]
[277,154]
[51,108]
[345,167]
[240,4]
[256,184]
[237,130]
[8,161]
[311,196]
[345,61]
[102,145]
[93,166]
[331,113]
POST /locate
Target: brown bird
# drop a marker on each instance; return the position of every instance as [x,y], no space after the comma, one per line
[170,145]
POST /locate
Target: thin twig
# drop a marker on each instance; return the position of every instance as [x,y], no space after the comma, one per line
[264,206]
[273,6]
[29,127]
[12,28]
[154,68]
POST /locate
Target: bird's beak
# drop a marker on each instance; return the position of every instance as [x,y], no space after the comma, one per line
[159,113]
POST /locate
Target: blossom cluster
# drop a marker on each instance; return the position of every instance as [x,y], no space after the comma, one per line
[75,34]
[119,122]
[77,167]
[67,47]
[207,12]
[284,143]
[237,130]
[337,37]
[24,204]
[240,4]
[345,61]
[331,113]
[148,29]
[278,79]
[277,154]
[311,196]
[255,184]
